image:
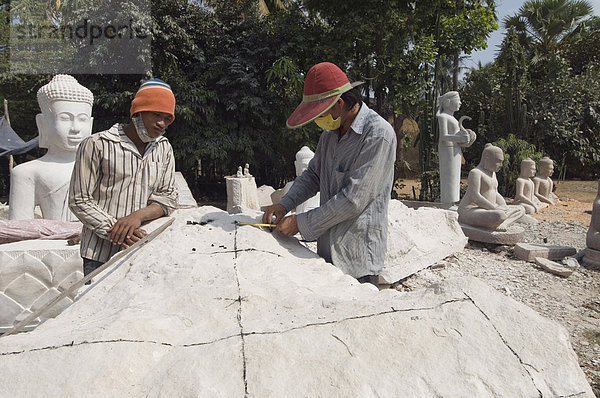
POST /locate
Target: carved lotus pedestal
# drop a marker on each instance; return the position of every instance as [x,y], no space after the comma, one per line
[31,274]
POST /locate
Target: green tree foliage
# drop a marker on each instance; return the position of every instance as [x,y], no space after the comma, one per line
[543,85]
[545,26]
[565,122]
[237,68]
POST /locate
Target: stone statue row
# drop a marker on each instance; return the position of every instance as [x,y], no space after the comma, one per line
[483,213]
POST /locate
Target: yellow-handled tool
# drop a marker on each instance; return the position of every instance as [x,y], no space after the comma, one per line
[257,224]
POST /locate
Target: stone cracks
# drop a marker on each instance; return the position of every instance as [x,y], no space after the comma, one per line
[242,333]
[526,366]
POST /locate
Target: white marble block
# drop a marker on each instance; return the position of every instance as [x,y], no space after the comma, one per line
[242,192]
[185,199]
[31,274]
[417,239]
[235,311]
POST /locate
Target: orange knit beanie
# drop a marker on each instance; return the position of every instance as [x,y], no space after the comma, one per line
[154,95]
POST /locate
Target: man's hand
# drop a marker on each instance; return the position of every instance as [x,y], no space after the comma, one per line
[276,210]
[288,226]
[137,235]
[124,229]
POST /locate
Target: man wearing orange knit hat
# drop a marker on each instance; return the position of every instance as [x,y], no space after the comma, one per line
[124,176]
[353,170]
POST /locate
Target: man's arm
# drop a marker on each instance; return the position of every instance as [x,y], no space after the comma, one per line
[83,183]
[374,167]
[305,186]
[162,201]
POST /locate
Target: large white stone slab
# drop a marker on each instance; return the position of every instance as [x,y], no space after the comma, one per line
[184,317]
[418,239]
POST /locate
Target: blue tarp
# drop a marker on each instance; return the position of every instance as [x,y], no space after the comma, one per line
[11,143]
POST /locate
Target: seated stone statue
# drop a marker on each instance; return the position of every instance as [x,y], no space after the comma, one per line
[482,206]
[303,157]
[524,189]
[65,120]
[542,182]
[592,239]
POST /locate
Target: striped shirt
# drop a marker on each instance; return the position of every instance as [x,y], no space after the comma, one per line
[354,174]
[111,180]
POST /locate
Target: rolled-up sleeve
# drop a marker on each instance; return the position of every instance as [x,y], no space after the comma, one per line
[165,195]
[361,185]
[84,181]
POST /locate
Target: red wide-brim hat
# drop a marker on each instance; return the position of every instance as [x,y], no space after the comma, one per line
[324,85]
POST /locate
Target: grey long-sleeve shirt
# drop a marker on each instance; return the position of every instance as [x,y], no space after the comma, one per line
[354,174]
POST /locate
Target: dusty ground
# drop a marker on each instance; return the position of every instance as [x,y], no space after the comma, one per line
[573,302]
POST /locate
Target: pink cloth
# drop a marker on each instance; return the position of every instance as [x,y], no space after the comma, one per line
[17,230]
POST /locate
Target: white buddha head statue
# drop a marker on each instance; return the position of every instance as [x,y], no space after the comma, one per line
[303,157]
[546,168]
[66,117]
[527,168]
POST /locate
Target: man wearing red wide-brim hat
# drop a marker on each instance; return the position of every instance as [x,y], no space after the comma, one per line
[353,169]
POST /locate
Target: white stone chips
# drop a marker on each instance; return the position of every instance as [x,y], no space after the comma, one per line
[219,310]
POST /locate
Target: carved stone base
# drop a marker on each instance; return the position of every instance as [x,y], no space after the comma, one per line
[511,236]
[591,258]
[31,274]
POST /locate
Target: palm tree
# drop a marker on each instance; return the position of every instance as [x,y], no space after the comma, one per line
[543,25]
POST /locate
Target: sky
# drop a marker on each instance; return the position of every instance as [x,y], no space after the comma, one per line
[504,8]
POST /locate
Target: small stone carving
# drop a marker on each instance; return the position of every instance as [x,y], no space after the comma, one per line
[303,158]
[592,239]
[543,183]
[482,206]
[65,120]
[525,189]
[453,137]
[241,191]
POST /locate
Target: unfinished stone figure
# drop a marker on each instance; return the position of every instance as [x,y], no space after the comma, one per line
[543,183]
[65,120]
[453,137]
[592,239]
[525,188]
[482,206]
[241,191]
[303,158]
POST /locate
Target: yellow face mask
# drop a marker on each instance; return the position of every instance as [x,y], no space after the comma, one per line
[328,122]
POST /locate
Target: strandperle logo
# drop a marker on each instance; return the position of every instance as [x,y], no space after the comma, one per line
[86,30]
[98,37]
